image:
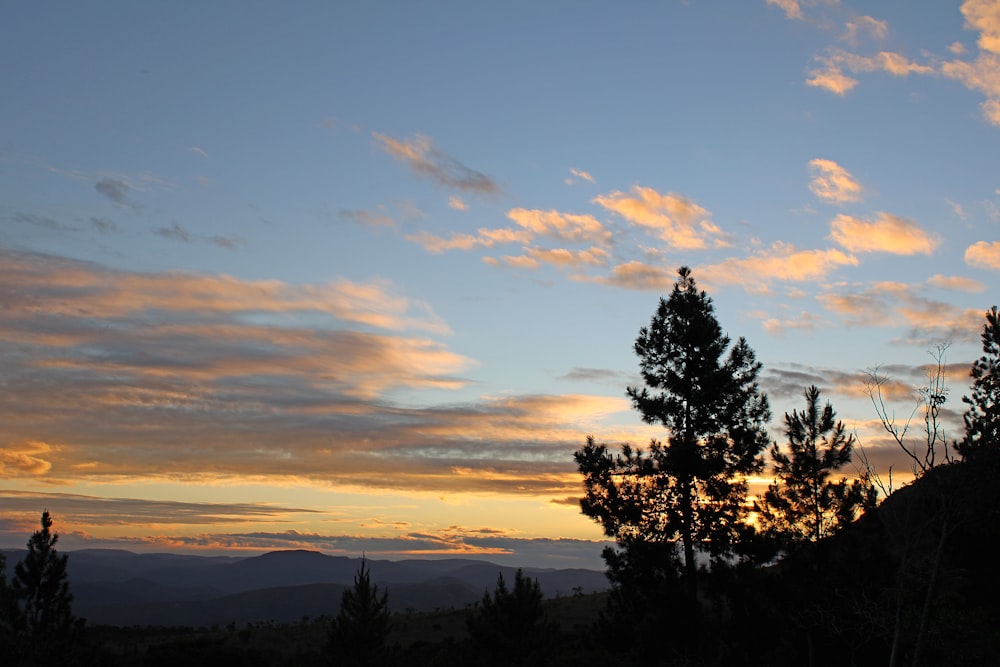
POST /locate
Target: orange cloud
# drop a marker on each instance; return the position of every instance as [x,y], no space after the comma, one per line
[984,255]
[890,303]
[562,226]
[956,283]
[782,262]
[982,74]
[674,218]
[832,183]
[570,258]
[790,7]
[984,16]
[830,75]
[887,233]
[63,285]
[25,460]
[640,276]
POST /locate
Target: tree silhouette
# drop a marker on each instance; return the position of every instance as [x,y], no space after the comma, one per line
[41,587]
[982,419]
[359,631]
[509,624]
[690,488]
[805,504]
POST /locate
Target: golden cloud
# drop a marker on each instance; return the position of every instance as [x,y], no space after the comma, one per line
[639,276]
[890,303]
[984,16]
[25,460]
[956,283]
[833,183]
[887,233]
[562,226]
[674,218]
[984,255]
[782,262]
[830,74]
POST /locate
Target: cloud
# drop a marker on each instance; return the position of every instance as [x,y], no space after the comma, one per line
[782,262]
[117,191]
[804,321]
[955,283]
[175,232]
[886,233]
[103,225]
[984,255]
[790,7]
[895,304]
[563,257]
[199,151]
[984,17]
[983,75]
[640,276]
[456,203]
[420,154]
[24,460]
[582,175]
[560,226]
[209,379]
[832,183]
[854,27]
[674,218]
[367,217]
[830,74]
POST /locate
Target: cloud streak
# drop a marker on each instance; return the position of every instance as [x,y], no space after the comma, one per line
[425,159]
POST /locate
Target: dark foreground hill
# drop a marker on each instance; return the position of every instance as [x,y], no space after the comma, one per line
[113,587]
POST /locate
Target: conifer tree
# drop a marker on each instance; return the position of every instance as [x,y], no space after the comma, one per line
[509,625]
[804,503]
[359,631]
[41,587]
[982,419]
[691,487]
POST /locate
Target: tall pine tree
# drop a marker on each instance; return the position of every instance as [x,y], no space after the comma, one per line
[804,503]
[358,634]
[41,588]
[690,488]
[982,419]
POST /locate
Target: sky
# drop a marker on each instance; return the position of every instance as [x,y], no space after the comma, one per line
[360,277]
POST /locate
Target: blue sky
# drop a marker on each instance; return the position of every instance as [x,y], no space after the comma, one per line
[362,275]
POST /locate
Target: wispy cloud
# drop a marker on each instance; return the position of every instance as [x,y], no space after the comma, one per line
[117,190]
[456,203]
[832,183]
[885,233]
[855,27]
[580,174]
[371,218]
[176,232]
[984,16]
[420,154]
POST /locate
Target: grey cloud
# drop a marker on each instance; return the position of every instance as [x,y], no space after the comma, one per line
[117,191]
[174,232]
[103,225]
[420,154]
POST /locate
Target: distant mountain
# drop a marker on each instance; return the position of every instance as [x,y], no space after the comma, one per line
[116,587]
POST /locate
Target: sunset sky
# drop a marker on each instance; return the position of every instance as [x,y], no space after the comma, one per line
[361,276]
